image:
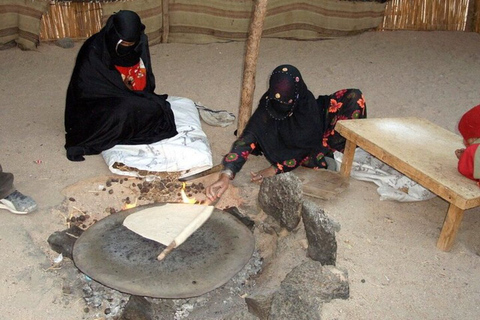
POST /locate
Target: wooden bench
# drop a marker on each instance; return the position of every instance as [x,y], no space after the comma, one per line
[422,151]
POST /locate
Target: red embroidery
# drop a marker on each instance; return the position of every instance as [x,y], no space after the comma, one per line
[334,105]
[136,75]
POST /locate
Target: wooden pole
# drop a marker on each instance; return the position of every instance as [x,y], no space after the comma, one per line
[165,21]
[250,64]
[469,23]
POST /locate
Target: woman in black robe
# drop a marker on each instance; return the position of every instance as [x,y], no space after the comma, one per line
[291,128]
[110,98]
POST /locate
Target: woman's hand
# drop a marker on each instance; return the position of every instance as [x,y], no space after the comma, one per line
[218,188]
[265,173]
[459,153]
[129,82]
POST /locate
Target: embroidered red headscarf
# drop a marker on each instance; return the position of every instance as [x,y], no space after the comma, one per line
[469,124]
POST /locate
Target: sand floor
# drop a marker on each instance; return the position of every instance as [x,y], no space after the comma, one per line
[388,248]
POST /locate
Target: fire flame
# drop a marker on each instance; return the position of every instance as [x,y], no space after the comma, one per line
[184,196]
[127,206]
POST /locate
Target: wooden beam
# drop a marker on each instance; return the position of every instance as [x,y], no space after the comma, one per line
[165,21]
[250,64]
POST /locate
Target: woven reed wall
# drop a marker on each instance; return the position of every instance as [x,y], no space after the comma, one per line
[449,15]
[80,20]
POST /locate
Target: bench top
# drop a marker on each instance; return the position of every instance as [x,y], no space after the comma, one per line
[418,148]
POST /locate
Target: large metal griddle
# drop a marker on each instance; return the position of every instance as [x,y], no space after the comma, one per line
[120,259]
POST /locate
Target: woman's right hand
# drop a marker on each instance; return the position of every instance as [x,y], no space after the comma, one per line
[218,188]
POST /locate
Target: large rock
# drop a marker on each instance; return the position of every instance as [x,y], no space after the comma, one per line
[239,315]
[259,305]
[281,198]
[320,231]
[63,241]
[138,308]
[306,288]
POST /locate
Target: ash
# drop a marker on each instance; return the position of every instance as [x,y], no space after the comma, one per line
[109,303]
[226,297]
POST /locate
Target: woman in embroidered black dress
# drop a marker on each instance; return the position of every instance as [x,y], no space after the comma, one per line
[110,98]
[291,128]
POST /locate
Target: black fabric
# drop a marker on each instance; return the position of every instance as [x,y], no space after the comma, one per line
[125,26]
[291,132]
[101,111]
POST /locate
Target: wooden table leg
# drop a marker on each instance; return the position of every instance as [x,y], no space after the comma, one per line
[450,227]
[347,160]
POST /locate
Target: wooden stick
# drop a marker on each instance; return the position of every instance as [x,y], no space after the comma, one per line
[167,250]
[250,64]
[165,21]
[187,232]
[83,213]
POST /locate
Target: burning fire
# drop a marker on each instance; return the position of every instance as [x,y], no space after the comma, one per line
[127,206]
[185,199]
[184,196]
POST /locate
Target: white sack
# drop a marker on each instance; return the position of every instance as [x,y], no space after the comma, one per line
[392,185]
[188,150]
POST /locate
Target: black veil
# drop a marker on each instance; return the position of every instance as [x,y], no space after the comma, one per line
[100,110]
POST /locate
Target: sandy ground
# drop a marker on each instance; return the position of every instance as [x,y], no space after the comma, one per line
[388,248]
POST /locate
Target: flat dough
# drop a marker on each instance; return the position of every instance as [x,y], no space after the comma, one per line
[172,221]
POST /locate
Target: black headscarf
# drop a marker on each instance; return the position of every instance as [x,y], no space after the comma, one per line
[288,122]
[126,26]
[100,110]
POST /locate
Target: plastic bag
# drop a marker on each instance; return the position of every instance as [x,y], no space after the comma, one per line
[392,185]
[188,150]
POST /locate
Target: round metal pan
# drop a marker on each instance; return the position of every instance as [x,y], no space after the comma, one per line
[120,259]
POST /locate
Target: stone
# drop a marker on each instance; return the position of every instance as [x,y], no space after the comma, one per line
[320,231]
[249,223]
[259,305]
[239,315]
[65,43]
[137,308]
[281,197]
[163,309]
[306,288]
[63,241]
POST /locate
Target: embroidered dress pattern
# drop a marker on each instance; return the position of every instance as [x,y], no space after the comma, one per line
[135,75]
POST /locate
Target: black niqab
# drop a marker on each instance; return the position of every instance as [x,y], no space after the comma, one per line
[288,122]
[100,110]
[124,26]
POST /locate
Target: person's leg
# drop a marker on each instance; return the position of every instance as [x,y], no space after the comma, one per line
[11,199]
[344,104]
[6,183]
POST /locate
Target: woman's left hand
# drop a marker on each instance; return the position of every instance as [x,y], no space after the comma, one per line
[459,152]
[265,173]
[129,82]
